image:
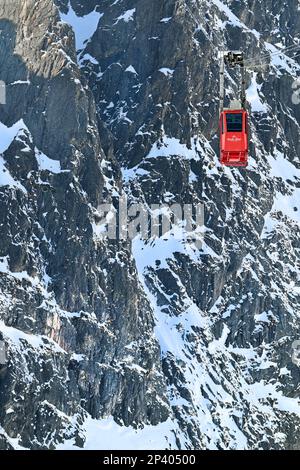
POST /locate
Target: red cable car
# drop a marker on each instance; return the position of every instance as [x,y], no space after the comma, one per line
[234,137]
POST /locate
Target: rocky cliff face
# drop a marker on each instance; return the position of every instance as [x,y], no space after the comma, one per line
[183,347]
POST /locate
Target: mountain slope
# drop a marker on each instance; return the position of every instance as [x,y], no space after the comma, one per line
[192,345]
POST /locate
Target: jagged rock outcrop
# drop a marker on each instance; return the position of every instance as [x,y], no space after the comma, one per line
[162,331]
[83,327]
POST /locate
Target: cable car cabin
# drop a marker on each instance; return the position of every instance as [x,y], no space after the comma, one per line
[234,137]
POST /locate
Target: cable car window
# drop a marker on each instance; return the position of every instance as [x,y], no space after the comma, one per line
[234,122]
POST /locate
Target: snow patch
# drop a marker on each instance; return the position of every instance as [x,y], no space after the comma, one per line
[170,146]
[83,26]
[7,180]
[106,434]
[131,69]
[8,134]
[166,71]
[127,16]
[254,98]
[281,167]
[132,173]
[46,163]
[15,336]
[289,205]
